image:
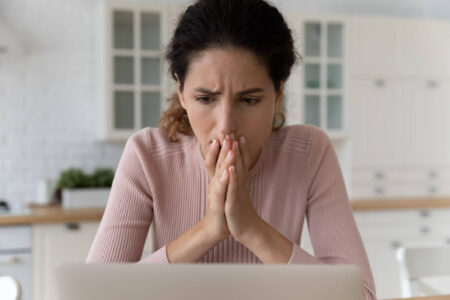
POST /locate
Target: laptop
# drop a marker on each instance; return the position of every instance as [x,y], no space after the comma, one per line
[208,281]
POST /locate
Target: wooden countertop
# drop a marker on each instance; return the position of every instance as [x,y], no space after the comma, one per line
[56,214]
[51,214]
[400,203]
[440,297]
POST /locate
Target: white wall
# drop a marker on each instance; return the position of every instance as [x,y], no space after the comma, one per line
[49,93]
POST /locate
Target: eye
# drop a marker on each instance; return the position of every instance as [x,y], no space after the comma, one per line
[250,101]
[204,100]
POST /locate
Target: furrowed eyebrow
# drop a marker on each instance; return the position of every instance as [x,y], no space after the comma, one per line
[249,91]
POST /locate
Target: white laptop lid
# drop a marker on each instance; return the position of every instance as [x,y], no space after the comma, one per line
[208,281]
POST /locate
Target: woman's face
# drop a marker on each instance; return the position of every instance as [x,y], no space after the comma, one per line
[229,90]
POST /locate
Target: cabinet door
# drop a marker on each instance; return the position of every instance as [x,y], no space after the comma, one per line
[425,123]
[372,46]
[374,123]
[423,48]
[56,244]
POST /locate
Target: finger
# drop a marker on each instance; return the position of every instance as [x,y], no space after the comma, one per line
[240,172]
[232,186]
[223,152]
[221,186]
[230,160]
[245,153]
[211,158]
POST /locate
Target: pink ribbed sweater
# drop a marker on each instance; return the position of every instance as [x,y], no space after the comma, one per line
[297,176]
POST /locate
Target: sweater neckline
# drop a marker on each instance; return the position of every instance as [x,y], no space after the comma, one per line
[197,154]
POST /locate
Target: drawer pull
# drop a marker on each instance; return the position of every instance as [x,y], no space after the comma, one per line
[396,244]
[424,230]
[379,82]
[432,174]
[72,226]
[432,84]
[378,190]
[432,189]
[378,175]
[9,259]
[424,213]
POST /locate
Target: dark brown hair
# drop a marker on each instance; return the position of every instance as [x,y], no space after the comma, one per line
[254,25]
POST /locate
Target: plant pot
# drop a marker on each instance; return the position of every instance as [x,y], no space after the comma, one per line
[85,197]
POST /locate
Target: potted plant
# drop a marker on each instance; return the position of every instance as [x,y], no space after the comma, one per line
[83,190]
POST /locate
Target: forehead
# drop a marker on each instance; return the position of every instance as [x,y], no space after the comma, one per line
[217,67]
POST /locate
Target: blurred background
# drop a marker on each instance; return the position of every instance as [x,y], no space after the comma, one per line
[78,77]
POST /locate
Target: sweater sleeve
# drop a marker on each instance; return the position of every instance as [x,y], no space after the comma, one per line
[128,214]
[333,232]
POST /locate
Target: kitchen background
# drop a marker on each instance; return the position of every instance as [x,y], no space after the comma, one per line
[375,76]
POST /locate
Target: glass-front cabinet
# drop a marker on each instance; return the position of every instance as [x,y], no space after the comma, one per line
[323,83]
[134,73]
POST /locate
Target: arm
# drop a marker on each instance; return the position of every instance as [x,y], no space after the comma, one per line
[334,234]
[129,212]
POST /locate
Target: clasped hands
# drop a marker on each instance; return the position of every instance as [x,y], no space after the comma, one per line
[229,207]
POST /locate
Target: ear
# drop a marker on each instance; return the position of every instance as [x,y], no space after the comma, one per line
[180,93]
[279,97]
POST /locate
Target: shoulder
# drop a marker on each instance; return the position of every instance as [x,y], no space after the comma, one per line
[156,143]
[303,138]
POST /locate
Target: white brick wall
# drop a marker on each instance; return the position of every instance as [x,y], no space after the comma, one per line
[49,104]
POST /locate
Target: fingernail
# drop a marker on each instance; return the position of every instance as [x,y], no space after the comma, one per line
[213,143]
[229,155]
[242,140]
[224,143]
[233,136]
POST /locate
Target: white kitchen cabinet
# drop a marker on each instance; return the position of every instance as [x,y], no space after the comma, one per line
[411,182]
[423,47]
[399,46]
[317,88]
[136,81]
[425,121]
[383,232]
[373,44]
[56,244]
[15,256]
[375,122]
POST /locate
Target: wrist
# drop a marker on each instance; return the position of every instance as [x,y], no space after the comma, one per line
[255,235]
[211,234]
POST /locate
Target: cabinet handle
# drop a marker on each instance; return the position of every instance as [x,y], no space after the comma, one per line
[447,241]
[72,226]
[432,189]
[378,190]
[379,82]
[432,84]
[9,259]
[425,230]
[396,244]
[424,213]
[378,175]
[432,174]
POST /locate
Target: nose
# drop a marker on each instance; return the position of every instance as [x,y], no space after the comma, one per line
[226,119]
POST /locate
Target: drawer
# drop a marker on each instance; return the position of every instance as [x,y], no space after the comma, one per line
[18,265]
[384,190]
[388,217]
[417,175]
[15,237]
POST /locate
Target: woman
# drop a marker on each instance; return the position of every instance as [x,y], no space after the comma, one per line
[219,179]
